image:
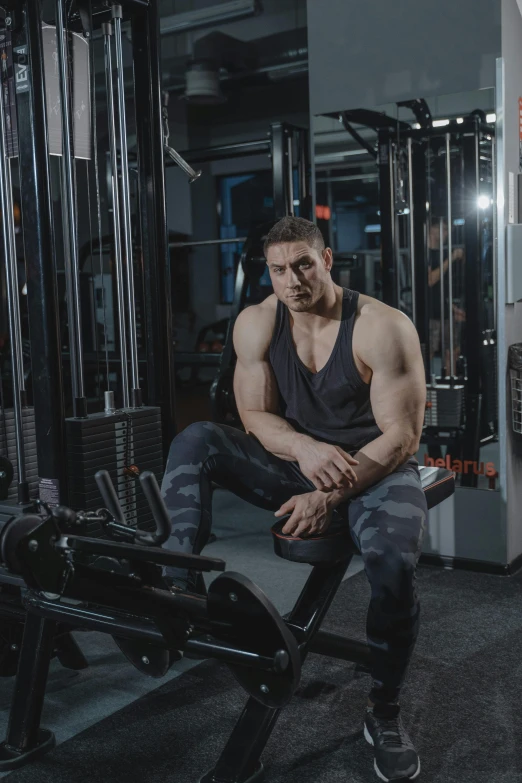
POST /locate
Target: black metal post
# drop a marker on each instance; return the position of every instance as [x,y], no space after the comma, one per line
[279,168]
[420,243]
[389,260]
[156,258]
[25,739]
[344,649]
[470,443]
[39,241]
[305,206]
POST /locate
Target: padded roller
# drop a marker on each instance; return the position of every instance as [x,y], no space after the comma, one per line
[335,546]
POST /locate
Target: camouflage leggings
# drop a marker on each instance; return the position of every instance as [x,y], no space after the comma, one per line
[387,522]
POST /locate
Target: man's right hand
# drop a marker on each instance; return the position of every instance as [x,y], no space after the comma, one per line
[458,254]
[328,467]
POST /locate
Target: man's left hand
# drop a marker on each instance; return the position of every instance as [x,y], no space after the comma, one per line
[311,514]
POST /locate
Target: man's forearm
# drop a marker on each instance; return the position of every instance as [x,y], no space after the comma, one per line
[376,461]
[434,273]
[274,433]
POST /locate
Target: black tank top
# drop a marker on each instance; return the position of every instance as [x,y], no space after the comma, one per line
[332,405]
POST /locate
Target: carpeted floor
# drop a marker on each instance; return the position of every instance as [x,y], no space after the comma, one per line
[461,705]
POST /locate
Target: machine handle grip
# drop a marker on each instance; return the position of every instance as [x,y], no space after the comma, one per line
[110,498]
[158,508]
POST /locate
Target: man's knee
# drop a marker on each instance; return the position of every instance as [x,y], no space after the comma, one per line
[196,437]
[391,572]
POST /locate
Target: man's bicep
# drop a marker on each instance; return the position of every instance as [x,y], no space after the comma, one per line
[255,387]
[398,388]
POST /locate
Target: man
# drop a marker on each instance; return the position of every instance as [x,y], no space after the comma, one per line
[330,387]
[437,322]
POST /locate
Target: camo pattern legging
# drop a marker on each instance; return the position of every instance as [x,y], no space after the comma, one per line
[387,523]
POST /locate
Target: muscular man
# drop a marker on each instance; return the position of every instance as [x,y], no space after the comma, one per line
[330,387]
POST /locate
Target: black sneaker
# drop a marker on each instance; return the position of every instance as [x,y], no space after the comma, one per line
[395,756]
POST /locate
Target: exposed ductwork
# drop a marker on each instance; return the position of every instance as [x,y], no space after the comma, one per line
[213,54]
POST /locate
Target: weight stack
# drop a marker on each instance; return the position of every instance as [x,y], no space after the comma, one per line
[114,442]
[444,406]
[8,449]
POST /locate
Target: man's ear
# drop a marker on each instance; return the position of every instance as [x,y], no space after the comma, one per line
[327,258]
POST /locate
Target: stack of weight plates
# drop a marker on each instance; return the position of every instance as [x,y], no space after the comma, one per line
[114,442]
[444,406]
[8,449]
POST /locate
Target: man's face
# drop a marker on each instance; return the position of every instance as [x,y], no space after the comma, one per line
[300,274]
[435,234]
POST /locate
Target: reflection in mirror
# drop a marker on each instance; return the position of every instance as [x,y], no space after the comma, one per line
[405,198]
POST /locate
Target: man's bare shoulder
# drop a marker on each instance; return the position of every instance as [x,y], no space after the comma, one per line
[381,328]
[254,328]
[377,315]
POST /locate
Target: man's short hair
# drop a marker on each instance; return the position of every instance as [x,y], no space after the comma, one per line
[294,229]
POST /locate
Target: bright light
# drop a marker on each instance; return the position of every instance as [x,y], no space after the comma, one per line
[440,123]
[373,228]
[460,120]
[24,290]
[416,125]
[484,202]
[459,222]
[296,202]
[491,117]
[427,205]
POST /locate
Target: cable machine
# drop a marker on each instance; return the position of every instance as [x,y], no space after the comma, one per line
[58,107]
[437,231]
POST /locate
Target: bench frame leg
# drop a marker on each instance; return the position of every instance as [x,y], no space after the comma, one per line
[26,740]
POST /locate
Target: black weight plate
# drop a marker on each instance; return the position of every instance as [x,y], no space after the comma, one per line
[242,615]
[146,657]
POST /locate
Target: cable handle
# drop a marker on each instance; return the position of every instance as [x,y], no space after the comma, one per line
[110,498]
[152,492]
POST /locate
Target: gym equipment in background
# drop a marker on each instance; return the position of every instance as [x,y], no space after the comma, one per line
[440,180]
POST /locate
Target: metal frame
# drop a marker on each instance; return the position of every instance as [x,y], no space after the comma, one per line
[39,239]
[152,204]
[39,235]
[500,102]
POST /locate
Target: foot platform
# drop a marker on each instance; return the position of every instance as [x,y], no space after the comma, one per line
[12,759]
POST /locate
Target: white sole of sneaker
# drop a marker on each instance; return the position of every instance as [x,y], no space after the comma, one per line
[369,740]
